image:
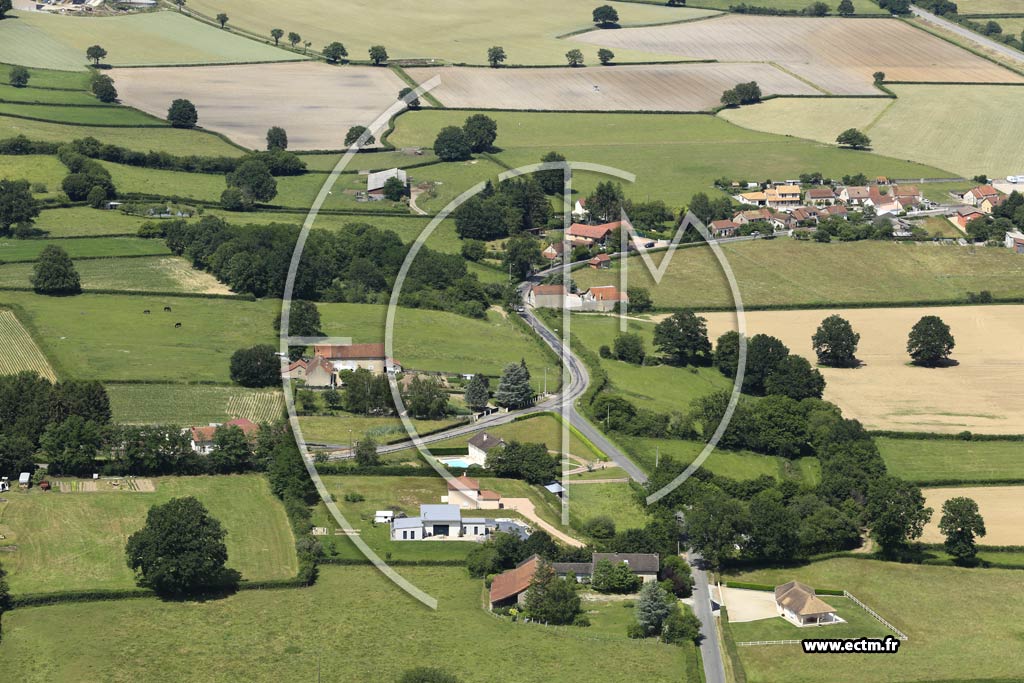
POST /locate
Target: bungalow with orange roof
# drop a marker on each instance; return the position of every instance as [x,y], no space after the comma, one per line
[722,228]
[588,235]
[465,492]
[964,215]
[854,195]
[798,604]
[989,204]
[758,198]
[357,356]
[752,216]
[600,262]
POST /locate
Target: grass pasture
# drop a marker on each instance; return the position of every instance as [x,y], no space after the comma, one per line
[886,392]
[149,274]
[658,87]
[81,221]
[300,94]
[935,460]
[35,168]
[836,54]
[40,39]
[50,78]
[353,607]
[202,186]
[916,599]
[460,32]
[75,541]
[345,428]
[191,404]
[106,336]
[998,505]
[614,500]
[20,250]
[34,95]
[20,351]
[89,116]
[988,7]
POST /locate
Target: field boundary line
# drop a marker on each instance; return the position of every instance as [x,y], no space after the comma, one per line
[800,78]
[413,83]
[899,634]
[595,27]
[879,115]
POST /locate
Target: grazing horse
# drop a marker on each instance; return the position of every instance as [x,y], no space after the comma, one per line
[177,325]
[167,309]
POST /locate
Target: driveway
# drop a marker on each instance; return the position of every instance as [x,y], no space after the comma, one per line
[524,506]
[748,605]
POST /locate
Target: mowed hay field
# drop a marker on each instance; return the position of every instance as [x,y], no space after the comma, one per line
[968,129]
[659,87]
[19,350]
[981,394]
[58,42]
[962,624]
[1000,506]
[192,404]
[456,31]
[148,274]
[279,635]
[837,55]
[315,102]
[75,541]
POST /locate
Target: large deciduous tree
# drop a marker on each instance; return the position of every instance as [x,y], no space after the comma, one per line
[378,54]
[549,599]
[854,139]
[18,76]
[481,132]
[182,114]
[496,56]
[961,522]
[930,341]
[277,139]
[835,342]
[180,551]
[794,377]
[17,205]
[605,203]
[452,144]
[256,366]
[95,53]
[682,339]
[334,53]
[54,273]
[355,132]
[605,16]
[895,513]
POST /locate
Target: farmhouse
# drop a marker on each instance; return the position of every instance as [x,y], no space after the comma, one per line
[357,356]
[480,445]
[375,181]
[600,262]
[465,493]
[510,587]
[603,298]
[554,251]
[976,195]
[644,565]
[552,296]
[798,604]
[820,196]
[722,228]
[203,438]
[320,373]
[587,235]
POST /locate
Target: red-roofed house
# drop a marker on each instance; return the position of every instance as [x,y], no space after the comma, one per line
[722,228]
[554,250]
[202,438]
[590,234]
[820,196]
[600,262]
[355,356]
[510,587]
[466,493]
[974,196]
[965,215]
[603,298]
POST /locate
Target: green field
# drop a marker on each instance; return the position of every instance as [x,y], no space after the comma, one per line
[861,7]
[784,272]
[14,250]
[859,624]
[672,155]
[617,501]
[58,42]
[369,161]
[345,428]
[49,78]
[424,339]
[939,459]
[34,95]
[915,126]
[988,6]
[354,609]
[89,116]
[191,404]
[103,336]
[75,541]
[149,274]
[461,31]
[205,186]
[171,140]
[35,168]
[19,350]
[919,601]
[81,221]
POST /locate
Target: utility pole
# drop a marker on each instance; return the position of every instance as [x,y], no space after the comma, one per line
[657,454]
[545,381]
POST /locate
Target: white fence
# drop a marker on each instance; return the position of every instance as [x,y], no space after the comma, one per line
[899,634]
[768,642]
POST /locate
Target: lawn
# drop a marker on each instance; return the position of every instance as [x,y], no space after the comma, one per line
[82,221]
[191,404]
[915,126]
[345,428]
[280,635]
[46,40]
[171,140]
[89,116]
[859,624]
[75,541]
[672,155]
[104,336]
[461,31]
[952,460]
[919,600]
[205,186]
[424,341]
[15,250]
[587,501]
[786,273]
[148,274]
[35,168]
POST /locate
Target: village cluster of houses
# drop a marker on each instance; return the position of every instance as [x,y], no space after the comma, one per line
[321,371]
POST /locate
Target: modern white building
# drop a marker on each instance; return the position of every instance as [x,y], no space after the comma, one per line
[445,522]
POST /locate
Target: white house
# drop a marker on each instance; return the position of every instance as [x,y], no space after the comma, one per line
[444,522]
[202,439]
[480,445]
[383,516]
[798,604]
[465,492]
[355,356]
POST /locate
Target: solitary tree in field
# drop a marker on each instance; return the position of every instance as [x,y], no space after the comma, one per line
[182,114]
[294,38]
[18,76]
[5,7]
[276,34]
[835,342]
[574,57]
[854,139]
[17,205]
[960,523]
[845,8]
[54,273]
[222,19]
[605,56]
[495,56]
[552,181]
[378,54]
[180,551]
[930,341]
[253,179]
[879,77]
[95,53]
[605,15]
[335,52]
[355,132]
[277,138]
[412,102]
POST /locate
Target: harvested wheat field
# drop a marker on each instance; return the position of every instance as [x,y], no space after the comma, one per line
[19,349]
[316,103]
[1001,506]
[981,394]
[838,55]
[658,87]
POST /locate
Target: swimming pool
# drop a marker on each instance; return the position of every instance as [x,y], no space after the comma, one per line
[455,462]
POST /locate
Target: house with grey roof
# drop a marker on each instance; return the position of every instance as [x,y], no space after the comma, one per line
[644,565]
[445,521]
[799,604]
[480,445]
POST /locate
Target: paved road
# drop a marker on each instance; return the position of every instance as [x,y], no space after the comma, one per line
[977,38]
[710,652]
